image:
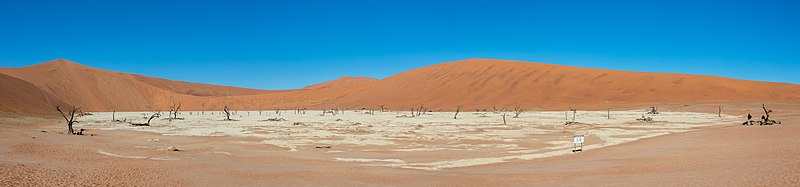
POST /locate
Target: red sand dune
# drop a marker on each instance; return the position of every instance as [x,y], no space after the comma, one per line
[21,96]
[344,82]
[197,89]
[473,83]
[484,83]
[93,89]
[101,90]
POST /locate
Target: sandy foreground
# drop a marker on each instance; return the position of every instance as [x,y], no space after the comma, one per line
[687,145]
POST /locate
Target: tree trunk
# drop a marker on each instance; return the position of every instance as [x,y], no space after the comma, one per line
[573,114]
[69,125]
[69,120]
[457,110]
[227,113]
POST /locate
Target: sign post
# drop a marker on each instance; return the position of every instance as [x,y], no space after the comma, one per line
[577,139]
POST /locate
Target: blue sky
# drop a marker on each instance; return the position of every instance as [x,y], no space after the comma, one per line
[291,44]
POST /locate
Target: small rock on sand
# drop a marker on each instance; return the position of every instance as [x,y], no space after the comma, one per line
[172,148]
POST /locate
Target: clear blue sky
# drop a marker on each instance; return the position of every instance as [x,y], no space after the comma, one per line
[291,44]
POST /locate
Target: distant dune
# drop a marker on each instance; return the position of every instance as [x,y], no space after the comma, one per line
[101,90]
[485,83]
[473,83]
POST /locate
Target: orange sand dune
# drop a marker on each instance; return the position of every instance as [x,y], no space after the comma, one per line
[485,83]
[473,83]
[21,96]
[197,89]
[102,90]
[344,82]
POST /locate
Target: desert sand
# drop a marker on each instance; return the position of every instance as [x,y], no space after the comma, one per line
[473,83]
[272,143]
[21,96]
[684,147]
[476,138]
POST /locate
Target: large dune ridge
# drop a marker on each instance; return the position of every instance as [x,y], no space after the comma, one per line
[487,83]
[102,90]
[472,83]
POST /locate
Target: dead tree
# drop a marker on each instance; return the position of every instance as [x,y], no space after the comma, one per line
[113,113]
[504,118]
[645,119]
[566,115]
[574,111]
[155,115]
[71,118]
[517,110]
[719,114]
[749,120]
[421,108]
[765,119]
[608,109]
[227,113]
[383,109]
[458,109]
[173,110]
[653,110]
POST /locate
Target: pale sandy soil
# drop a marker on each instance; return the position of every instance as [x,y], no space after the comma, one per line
[684,148]
[432,141]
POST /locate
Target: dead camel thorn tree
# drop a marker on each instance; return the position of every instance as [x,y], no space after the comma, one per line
[155,115]
[227,113]
[653,110]
[71,118]
[765,119]
[173,110]
[574,111]
[504,118]
[517,110]
[458,109]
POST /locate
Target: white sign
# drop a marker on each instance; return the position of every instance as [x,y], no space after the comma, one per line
[577,139]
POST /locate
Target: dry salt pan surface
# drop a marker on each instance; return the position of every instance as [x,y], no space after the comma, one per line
[431,141]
